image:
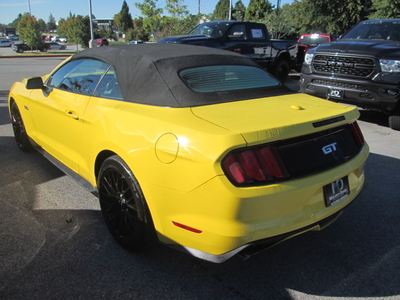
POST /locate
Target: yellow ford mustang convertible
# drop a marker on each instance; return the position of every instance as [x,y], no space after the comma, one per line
[197,148]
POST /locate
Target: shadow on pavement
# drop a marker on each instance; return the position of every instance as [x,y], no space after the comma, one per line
[69,254]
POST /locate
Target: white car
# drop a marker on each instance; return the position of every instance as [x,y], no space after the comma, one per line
[56,46]
[6,43]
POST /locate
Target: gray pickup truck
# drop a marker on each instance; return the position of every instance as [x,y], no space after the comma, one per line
[247,38]
[361,68]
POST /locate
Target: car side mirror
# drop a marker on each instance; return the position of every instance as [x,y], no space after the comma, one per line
[34,83]
[236,35]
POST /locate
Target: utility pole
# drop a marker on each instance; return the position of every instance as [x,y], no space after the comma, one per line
[29,6]
[91,25]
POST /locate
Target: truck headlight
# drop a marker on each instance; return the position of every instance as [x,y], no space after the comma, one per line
[388,65]
[308,58]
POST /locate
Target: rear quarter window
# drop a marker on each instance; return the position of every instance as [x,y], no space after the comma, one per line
[226,78]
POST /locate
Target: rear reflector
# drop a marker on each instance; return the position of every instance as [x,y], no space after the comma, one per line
[187,227]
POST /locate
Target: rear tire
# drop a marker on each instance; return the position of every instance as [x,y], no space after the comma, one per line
[21,137]
[123,205]
[394,122]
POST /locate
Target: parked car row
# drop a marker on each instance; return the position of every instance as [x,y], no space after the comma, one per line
[6,42]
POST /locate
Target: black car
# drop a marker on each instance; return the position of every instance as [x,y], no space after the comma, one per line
[21,47]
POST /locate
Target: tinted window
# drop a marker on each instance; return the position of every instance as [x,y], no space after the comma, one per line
[108,86]
[375,30]
[226,78]
[78,76]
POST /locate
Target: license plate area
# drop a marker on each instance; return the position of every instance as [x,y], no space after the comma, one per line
[336,191]
[335,93]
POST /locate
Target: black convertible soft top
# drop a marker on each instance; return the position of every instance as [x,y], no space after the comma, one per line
[149,73]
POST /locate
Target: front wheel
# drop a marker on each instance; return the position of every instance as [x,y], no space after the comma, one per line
[21,137]
[281,70]
[394,122]
[123,205]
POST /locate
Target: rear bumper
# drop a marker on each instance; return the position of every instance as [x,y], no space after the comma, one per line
[245,221]
[363,93]
[246,251]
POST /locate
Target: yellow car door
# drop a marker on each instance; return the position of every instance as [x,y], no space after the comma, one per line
[58,122]
[58,109]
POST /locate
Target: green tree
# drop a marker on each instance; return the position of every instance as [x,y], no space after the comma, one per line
[257,10]
[332,17]
[152,16]
[42,25]
[238,11]
[51,24]
[123,20]
[175,23]
[29,30]
[385,9]
[281,24]
[221,11]
[76,29]
[14,24]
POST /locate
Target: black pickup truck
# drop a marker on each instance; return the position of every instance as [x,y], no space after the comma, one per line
[361,68]
[21,47]
[247,38]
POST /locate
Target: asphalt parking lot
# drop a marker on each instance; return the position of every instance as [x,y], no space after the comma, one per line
[54,244]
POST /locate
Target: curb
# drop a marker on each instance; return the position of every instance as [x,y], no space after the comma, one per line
[34,56]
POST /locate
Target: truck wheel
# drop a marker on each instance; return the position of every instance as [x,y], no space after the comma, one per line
[281,70]
[44,50]
[394,122]
[20,50]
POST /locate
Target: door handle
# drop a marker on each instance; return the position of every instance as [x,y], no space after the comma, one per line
[72,114]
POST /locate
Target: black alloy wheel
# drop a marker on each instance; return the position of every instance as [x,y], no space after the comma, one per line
[21,137]
[123,205]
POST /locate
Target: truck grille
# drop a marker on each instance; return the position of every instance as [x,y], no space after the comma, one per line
[343,65]
[338,84]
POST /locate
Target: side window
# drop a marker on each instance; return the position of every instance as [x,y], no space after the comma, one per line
[78,76]
[238,32]
[257,33]
[108,86]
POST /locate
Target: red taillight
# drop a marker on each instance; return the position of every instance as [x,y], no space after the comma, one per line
[256,165]
[358,136]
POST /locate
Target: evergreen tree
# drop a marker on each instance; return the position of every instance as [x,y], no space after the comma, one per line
[221,11]
[51,24]
[123,20]
[238,11]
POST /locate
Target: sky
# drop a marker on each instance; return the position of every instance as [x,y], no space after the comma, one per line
[41,9]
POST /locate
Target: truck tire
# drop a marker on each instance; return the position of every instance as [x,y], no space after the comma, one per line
[20,50]
[281,70]
[394,122]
